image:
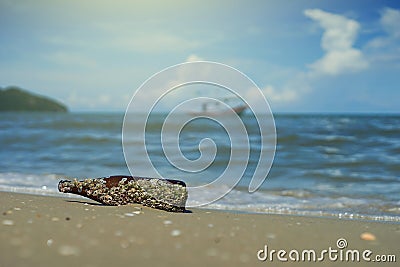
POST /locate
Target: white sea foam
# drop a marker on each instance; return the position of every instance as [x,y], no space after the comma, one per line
[295,202]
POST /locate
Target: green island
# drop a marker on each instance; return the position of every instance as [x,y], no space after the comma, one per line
[13,98]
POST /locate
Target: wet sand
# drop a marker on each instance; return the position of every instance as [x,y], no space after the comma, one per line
[57,231]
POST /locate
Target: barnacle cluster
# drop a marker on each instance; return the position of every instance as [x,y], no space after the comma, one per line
[151,192]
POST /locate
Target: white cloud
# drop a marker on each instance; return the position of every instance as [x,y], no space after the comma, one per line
[338,62]
[340,57]
[386,48]
[193,58]
[337,42]
[390,20]
[283,96]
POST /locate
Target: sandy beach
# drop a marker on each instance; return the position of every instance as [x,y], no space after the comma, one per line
[55,231]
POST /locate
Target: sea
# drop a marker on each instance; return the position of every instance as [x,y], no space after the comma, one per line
[326,165]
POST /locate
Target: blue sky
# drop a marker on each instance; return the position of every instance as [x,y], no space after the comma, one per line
[306,56]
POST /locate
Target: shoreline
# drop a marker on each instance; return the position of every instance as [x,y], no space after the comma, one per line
[312,214]
[64,231]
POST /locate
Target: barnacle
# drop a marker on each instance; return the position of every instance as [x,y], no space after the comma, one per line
[169,195]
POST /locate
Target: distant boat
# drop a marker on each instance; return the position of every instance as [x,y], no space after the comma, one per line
[214,108]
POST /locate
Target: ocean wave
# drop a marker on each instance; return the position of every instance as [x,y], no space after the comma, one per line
[300,202]
[88,139]
[28,182]
[324,164]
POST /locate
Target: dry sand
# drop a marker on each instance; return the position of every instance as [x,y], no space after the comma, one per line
[56,231]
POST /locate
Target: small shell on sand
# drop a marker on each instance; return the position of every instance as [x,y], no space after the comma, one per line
[167,222]
[175,232]
[67,250]
[368,236]
[8,222]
